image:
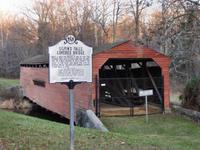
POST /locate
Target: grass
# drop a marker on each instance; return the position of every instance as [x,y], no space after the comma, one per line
[24,133]
[169,131]
[4,83]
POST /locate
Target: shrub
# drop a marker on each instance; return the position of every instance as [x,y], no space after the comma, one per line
[191,95]
[11,92]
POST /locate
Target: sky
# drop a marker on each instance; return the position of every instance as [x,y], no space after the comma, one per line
[16,6]
[13,6]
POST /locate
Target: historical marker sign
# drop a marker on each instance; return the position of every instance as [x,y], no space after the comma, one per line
[70,62]
[70,59]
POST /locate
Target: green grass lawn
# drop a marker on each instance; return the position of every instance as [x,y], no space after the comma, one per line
[168,132]
[8,82]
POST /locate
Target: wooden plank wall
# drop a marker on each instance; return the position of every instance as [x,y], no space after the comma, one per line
[53,97]
[128,50]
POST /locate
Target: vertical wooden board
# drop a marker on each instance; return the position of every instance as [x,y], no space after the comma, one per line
[53,97]
[128,50]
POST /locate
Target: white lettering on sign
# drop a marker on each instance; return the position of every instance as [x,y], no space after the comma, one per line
[70,60]
[145,92]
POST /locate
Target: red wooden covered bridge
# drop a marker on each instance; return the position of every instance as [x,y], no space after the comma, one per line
[120,70]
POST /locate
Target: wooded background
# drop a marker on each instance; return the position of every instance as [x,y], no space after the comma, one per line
[173,28]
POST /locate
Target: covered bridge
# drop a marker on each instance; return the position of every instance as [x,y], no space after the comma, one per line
[120,70]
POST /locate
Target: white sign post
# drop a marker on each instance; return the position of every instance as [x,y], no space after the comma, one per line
[70,62]
[146,93]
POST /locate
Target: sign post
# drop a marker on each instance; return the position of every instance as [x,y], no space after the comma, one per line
[71,86]
[146,109]
[146,93]
[70,63]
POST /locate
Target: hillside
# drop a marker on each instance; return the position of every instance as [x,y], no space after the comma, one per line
[23,133]
[4,83]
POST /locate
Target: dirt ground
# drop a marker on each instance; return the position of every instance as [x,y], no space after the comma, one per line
[7,104]
[2,147]
[21,106]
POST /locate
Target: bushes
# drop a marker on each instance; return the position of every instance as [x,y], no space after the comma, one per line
[12,98]
[191,94]
[9,88]
[11,92]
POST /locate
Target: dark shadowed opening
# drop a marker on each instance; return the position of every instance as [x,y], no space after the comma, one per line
[121,79]
[43,113]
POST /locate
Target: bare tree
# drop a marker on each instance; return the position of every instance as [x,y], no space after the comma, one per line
[136,8]
[176,31]
[44,16]
[101,16]
[79,17]
[116,13]
[16,46]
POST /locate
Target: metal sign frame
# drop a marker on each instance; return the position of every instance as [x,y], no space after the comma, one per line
[146,93]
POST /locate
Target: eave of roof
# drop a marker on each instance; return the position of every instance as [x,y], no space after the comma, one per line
[39,59]
[108,46]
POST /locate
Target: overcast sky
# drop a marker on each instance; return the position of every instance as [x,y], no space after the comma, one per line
[16,6]
[13,6]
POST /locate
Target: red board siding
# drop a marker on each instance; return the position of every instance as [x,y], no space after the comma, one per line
[53,97]
[128,50]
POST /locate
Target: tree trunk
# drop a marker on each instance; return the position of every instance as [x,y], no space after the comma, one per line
[137,21]
[96,35]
